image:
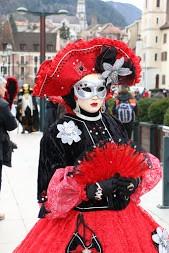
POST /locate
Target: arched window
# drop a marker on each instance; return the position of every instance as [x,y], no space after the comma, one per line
[164,56]
[157,81]
[158,3]
[165,38]
[155,57]
[163,79]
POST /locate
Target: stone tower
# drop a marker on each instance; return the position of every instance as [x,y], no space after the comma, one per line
[81,14]
[153,18]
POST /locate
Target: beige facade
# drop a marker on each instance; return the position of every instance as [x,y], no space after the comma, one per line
[23,58]
[149,37]
[23,65]
[133,32]
[103,30]
[164,78]
[153,50]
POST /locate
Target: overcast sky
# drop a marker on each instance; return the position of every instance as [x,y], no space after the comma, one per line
[137,3]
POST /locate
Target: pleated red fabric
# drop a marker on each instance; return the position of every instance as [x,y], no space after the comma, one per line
[126,231]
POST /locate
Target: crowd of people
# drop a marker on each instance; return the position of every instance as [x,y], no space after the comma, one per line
[90,174]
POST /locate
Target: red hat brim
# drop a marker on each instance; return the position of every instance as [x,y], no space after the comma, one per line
[56,77]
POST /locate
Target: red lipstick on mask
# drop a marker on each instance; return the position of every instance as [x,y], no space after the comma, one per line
[94,104]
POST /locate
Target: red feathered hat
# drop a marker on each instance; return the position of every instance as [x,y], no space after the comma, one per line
[56,77]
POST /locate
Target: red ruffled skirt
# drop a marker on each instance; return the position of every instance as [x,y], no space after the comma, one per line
[129,230]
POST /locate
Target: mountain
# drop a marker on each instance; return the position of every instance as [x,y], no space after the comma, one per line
[105,12]
[128,11]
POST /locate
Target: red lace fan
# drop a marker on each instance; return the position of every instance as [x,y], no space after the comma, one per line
[104,162]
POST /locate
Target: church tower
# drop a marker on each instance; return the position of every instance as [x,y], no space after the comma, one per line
[153,18]
[81,14]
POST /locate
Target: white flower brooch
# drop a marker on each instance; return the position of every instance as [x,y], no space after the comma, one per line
[161,239]
[111,72]
[68,132]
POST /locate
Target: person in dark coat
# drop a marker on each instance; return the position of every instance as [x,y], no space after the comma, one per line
[54,111]
[10,95]
[7,123]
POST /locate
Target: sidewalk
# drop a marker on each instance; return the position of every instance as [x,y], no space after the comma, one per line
[19,194]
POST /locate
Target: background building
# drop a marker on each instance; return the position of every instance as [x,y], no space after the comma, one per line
[154,16]
[152,45]
[105,30]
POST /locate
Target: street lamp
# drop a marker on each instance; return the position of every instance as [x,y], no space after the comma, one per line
[42,15]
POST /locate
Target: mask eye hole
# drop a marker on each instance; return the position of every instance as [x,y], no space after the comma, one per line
[102,88]
[87,89]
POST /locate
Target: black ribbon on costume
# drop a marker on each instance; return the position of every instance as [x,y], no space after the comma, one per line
[79,240]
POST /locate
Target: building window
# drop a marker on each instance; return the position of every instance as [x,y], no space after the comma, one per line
[50,48]
[155,57]
[35,70]
[157,81]
[23,47]
[164,56]
[157,20]
[163,79]
[158,3]
[36,59]
[3,70]
[156,39]
[36,48]
[22,72]
[4,46]
[22,60]
[144,57]
[165,38]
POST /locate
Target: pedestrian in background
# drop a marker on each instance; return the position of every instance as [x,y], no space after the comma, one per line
[54,110]
[125,109]
[10,95]
[27,110]
[7,123]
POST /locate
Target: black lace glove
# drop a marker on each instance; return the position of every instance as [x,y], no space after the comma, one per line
[116,190]
[105,188]
[129,185]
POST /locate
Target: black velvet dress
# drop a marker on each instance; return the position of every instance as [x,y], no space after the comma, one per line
[72,224]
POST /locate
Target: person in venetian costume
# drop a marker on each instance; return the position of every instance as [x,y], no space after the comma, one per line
[27,110]
[90,176]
